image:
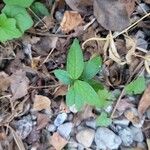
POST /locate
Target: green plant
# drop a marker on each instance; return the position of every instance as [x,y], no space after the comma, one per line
[78,77]
[136,87]
[15,19]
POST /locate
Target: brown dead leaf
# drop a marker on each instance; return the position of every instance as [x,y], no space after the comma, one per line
[3,136]
[4,81]
[19,84]
[130,6]
[41,102]
[79,5]
[70,21]
[42,121]
[147,1]
[57,141]
[111,14]
[145,101]
[87,112]
[131,47]
[60,91]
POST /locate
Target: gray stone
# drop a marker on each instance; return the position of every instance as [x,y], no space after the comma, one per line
[126,136]
[85,137]
[148,113]
[123,122]
[65,130]
[142,7]
[24,126]
[106,139]
[60,119]
[51,128]
[58,16]
[91,124]
[142,43]
[137,134]
[72,144]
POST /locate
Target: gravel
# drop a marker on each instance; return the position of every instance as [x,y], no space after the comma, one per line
[24,126]
[85,137]
[65,130]
[137,134]
[60,119]
[126,136]
[107,139]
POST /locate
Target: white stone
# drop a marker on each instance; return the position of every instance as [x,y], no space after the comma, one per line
[85,137]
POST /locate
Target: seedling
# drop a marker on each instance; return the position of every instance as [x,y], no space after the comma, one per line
[78,76]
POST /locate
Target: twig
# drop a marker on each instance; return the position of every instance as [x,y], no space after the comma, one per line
[43,87]
[47,56]
[37,17]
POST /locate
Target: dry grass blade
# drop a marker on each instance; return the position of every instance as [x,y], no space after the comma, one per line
[131,46]
[17,139]
[113,54]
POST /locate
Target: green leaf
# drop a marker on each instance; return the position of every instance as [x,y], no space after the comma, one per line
[24,21]
[96,85]
[75,62]
[22,3]
[8,29]
[104,96]
[86,92]
[73,98]
[92,67]
[136,87]
[63,76]
[40,9]
[103,120]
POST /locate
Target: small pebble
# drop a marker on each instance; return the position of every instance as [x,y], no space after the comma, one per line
[60,119]
[126,136]
[24,126]
[86,137]
[123,122]
[72,144]
[51,128]
[65,130]
[106,139]
[73,109]
[91,124]
[148,113]
[58,16]
[141,7]
[137,134]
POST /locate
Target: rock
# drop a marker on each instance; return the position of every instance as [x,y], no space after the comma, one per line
[148,113]
[85,137]
[137,134]
[123,122]
[58,16]
[142,7]
[126,136]
[24,126]
[73,109]
[60,119]
[106,139]
[65,130]
[91,124]
[72,144]
[51,128]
